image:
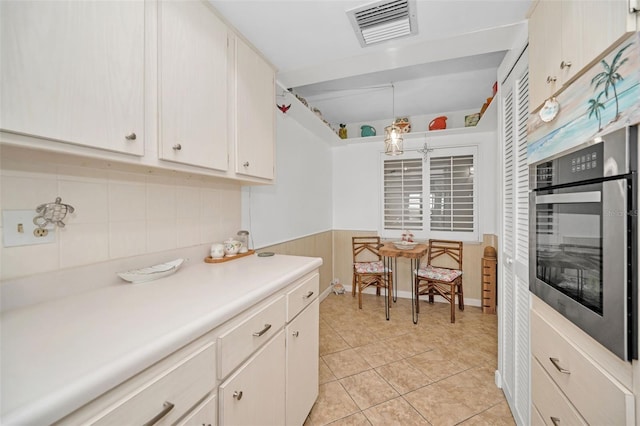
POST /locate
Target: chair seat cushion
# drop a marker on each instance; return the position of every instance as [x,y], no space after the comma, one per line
[369,267]
[440,274]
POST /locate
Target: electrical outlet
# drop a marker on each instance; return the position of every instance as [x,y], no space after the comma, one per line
[18,229]
[40,232]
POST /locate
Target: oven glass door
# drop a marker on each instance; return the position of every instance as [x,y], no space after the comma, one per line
[569,243]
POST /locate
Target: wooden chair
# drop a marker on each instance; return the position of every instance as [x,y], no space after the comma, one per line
[442,274]
[368,267]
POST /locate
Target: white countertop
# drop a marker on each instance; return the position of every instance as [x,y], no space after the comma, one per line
[58,355]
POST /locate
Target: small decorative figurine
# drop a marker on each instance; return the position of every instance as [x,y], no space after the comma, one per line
[284,108]
[404,124]
[343,131]
[407,236]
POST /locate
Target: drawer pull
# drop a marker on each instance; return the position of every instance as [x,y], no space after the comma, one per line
[264,330]
[308,295]
[555,421]
[556,364]
[167,407]
[295,333]
[237,395]
[551,79]
[130,137]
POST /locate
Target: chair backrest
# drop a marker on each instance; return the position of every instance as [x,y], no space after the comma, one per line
[366,249]
[445,254]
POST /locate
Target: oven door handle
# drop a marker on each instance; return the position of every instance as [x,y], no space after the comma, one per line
[570,198]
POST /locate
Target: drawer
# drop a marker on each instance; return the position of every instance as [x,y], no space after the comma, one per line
[302,295]
[173,392]
[597,396]
[239,342]
[536,417]
[549,400]
[205,414]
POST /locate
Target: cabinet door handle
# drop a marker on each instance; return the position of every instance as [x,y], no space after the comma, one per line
[177,147]
[130,137]
[246,164]
[564,65]
[237,395]
[308,295]
[556,364]
[167,407]
[295,333]
[551,79]
[555,420]
[264,330]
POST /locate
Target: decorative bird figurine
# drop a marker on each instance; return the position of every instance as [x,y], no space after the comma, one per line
[284,108]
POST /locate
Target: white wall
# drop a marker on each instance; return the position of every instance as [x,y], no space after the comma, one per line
[356,180]
[300,202]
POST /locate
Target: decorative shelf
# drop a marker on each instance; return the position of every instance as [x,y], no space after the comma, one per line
[308,119]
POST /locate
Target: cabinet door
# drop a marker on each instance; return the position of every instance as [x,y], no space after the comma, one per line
[255,113]
[73,71]
[192,58]
[544,51]
[302,364]
[254,394]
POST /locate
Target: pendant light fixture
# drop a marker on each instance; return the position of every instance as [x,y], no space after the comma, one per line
[393,134]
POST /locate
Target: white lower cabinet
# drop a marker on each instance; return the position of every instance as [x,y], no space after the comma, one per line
[258,368]
[568,385]
[302,364]
[254,394]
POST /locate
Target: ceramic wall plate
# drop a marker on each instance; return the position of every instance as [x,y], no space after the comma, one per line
[549,110]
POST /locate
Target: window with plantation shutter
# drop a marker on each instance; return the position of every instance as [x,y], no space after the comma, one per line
[431,194]
[451,193]
[403,194]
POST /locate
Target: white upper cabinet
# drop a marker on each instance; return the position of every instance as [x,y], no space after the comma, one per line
[193,102]
[255,113]
[73,71]
[566,36]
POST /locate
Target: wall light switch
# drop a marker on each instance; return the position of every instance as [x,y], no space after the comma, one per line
[18,229]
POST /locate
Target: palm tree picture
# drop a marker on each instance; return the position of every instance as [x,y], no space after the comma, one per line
[608,78]
[594,109]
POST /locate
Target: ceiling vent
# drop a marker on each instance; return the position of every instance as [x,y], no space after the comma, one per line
[384,20]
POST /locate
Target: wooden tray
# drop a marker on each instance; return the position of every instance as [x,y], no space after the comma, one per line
[210,259]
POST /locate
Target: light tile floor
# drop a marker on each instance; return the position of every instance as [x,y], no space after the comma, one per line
[378,372]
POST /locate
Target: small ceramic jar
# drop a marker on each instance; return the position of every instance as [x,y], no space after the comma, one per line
[231,247]
[217,251]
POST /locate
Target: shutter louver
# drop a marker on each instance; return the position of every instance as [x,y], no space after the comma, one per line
[403,200]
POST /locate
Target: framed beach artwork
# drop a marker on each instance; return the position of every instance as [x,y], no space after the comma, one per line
[605,98]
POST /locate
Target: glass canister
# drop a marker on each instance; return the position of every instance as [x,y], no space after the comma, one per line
[243,237]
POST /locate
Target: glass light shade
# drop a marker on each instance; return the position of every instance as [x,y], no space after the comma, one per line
[393,140]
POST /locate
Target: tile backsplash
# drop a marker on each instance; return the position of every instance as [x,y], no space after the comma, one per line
[117,213]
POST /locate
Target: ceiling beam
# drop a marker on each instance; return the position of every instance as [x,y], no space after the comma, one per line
[475,43]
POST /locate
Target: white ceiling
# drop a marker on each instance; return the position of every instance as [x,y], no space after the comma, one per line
[450,65]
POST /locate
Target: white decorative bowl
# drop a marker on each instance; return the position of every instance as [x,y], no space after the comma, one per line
[404,245]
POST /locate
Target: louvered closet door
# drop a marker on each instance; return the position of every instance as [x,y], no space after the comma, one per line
[513,306]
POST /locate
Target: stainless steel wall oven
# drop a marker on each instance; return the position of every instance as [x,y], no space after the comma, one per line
[583,230]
